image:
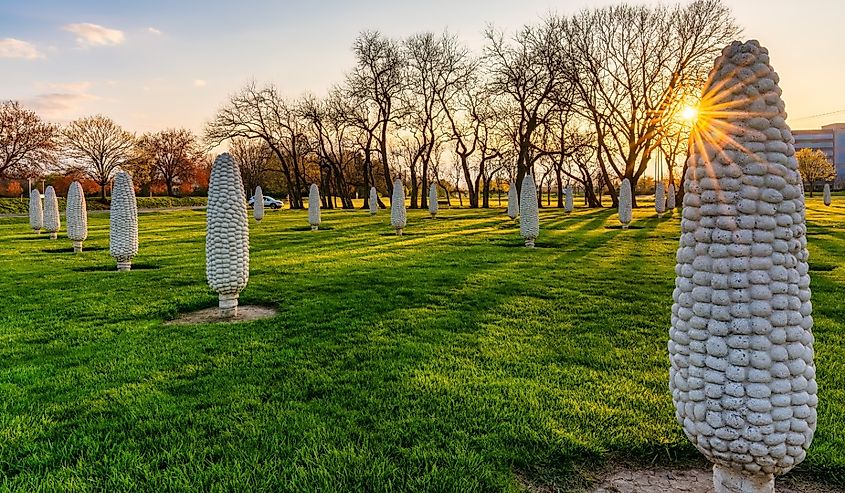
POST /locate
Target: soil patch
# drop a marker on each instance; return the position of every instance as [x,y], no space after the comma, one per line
[246,313]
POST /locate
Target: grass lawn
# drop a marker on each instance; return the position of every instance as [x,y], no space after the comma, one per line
[450,359]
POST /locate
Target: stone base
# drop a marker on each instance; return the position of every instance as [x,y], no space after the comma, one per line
[314,228]
[398,231]
[660,215]
[529,242]
[624,226]
[228,304]
[53,235]
[727,480]
[433,215]
[36,231]
[77,246]
[124,266]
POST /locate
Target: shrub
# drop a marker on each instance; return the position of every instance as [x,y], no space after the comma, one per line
[77,216]
[741,347]
[529,218]
[227,234]
[123,222]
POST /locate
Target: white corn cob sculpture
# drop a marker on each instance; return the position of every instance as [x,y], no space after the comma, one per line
[123,222]
[314,207]
[36,211]
[432,200]
[227,234]
[625,204]
[258,204]
[52,218]
[529,218]
[567,200]
[373,201]
[513,202]
[659,199]
[826,194]
[741,345]
[670,198]
[398,215]
[77,216]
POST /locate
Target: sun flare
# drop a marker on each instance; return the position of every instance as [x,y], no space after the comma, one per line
[689,113]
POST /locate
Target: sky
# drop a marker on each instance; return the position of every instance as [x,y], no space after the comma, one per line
[171,63]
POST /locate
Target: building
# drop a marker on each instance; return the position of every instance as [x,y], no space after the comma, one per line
[829,139]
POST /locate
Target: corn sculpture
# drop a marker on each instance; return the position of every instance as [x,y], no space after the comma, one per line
[36,211]
[123,222]
[432,200]
[258,204]
[625,211]
[513,202]
[741,347]
[398,215]
[314,207]
[670,198]
[659,199]
[529,219]
[52,218]
[827,194]
[373,201]
[227,234]
[567,200]
[77,216]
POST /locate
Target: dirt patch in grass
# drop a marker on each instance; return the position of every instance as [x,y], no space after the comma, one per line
[663,480]
[246,313]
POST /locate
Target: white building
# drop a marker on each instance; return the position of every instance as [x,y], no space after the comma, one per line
[829,139]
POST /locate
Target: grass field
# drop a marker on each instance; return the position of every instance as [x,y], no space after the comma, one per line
[450,359]
[21,205]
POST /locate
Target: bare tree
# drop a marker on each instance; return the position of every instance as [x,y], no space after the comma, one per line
[28,145]
[631,66]
[253,157]
[174,155]
[378,81]
[99,146]
[262,113]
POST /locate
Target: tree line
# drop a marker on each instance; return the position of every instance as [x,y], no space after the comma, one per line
[585,100]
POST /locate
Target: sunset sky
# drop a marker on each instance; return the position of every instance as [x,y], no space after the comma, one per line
[164,63]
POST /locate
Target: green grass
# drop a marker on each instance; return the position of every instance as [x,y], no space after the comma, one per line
[21,205]
[450,359]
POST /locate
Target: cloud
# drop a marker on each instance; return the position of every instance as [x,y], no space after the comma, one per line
[200,83]
[72,87]
[15,48]
[88,35]
[58,105]
[154,31]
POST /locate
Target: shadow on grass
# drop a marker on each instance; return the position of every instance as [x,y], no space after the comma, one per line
[70,249]
[113,268]
[307,228]
[620,227]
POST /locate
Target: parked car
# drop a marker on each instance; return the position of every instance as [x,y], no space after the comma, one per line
[268,202]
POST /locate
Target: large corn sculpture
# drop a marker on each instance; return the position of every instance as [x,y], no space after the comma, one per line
[826,194]
[123,222]
[513,202]
[626,203]
[529,218]
[77,216]
[314,207]
[741,346]
[52,218]
[36,211]
[432,200]
[373,201]
[227,235]
[659,199]
[398,215]
[258,204]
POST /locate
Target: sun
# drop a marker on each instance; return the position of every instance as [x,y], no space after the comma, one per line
[689,113]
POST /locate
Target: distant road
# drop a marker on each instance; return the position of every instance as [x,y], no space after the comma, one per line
[106,211]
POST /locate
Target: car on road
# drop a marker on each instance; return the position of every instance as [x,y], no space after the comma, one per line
[268,202]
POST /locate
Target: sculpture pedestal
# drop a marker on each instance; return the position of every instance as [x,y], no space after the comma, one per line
[314,228]
[37,231]
[228,304]
[124,266]
[77,246]
[53,235]
[727,480]
[529,242]
[398,231]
